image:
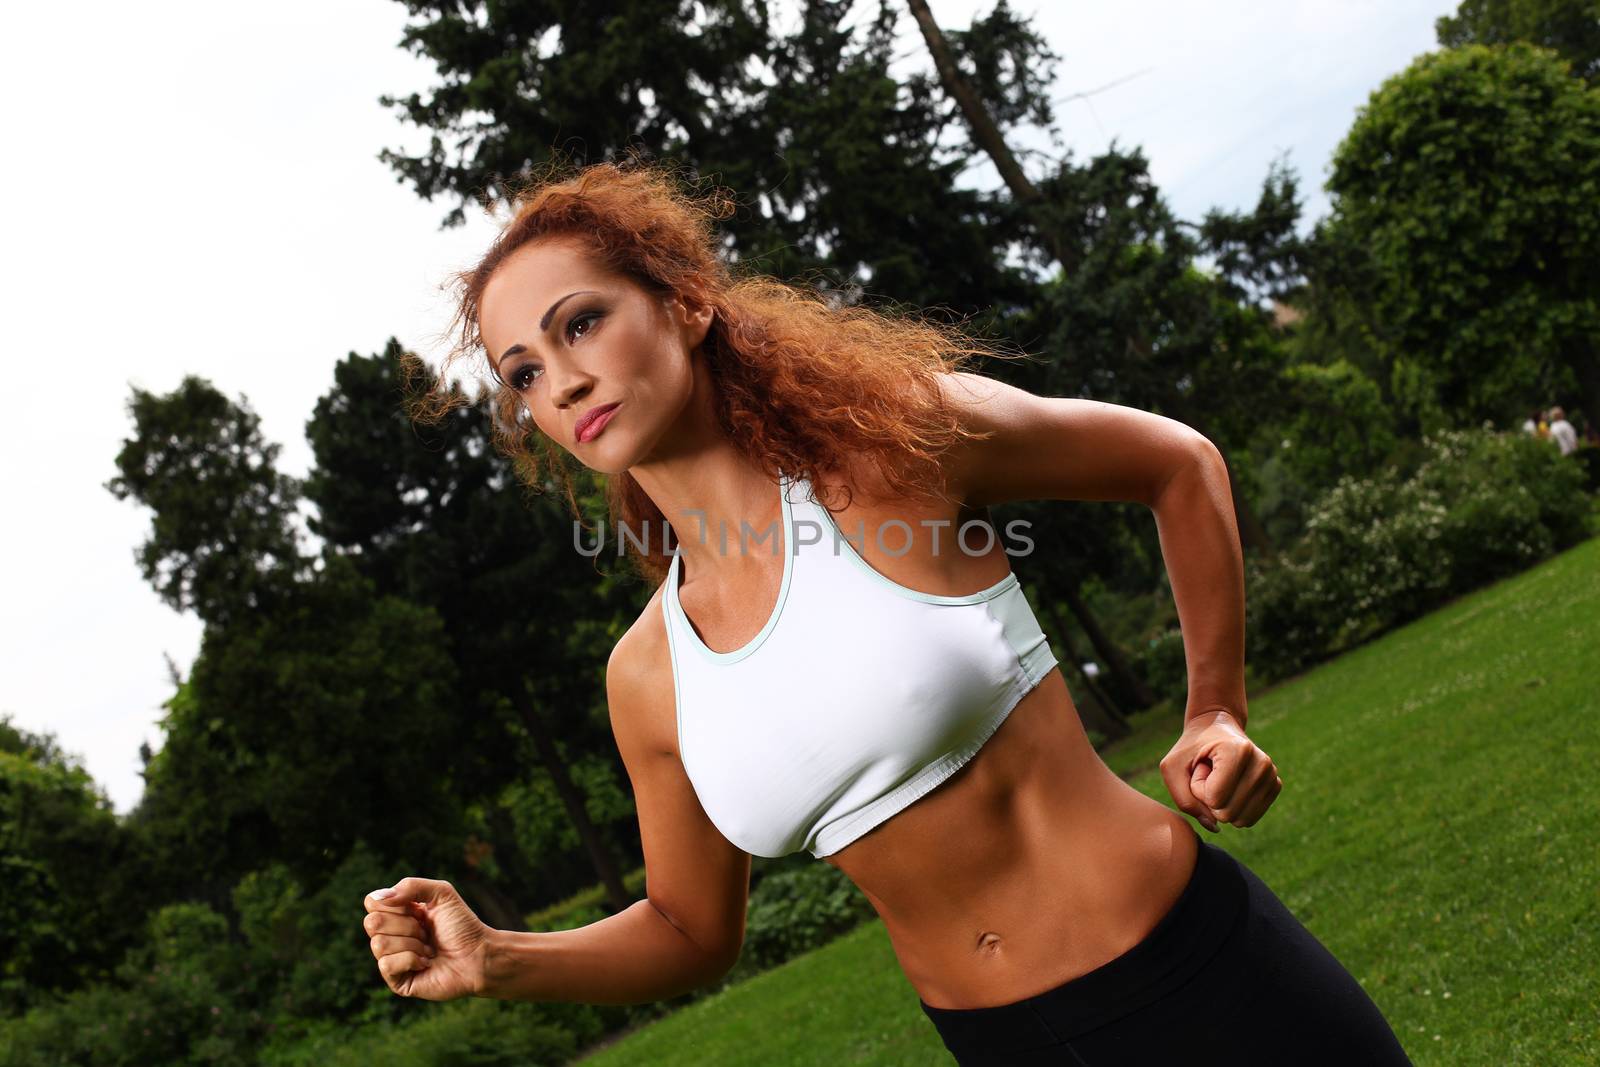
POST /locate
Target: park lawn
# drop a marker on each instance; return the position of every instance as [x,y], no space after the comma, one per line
[1436,831]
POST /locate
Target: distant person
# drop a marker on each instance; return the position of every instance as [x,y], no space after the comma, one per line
[1531,423]
[1561,431]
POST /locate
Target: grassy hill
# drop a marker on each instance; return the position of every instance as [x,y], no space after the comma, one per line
[1437,831]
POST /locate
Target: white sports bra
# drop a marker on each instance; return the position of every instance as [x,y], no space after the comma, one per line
[858,697]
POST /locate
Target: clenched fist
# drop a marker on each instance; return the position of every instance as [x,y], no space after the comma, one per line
[1215,773]
[428,943]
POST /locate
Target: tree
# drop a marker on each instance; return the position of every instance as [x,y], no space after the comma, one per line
[1466,212]
[677,79]
[73,888]
[434,515]
[1568,27]
[222,538]
[310,719]
[304,730]
[843,172]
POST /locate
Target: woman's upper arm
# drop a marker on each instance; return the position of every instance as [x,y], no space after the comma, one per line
[694,876]
[1059,448]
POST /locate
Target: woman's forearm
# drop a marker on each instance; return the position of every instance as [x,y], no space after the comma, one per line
[633,957]
[1200,543]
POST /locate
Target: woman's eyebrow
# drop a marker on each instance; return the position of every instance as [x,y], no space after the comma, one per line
[544,324]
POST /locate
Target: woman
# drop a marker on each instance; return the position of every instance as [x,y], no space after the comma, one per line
[893,710]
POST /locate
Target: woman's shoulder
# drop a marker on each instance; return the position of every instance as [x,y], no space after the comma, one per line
[639,683]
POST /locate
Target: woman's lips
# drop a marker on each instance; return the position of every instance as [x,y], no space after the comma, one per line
[592,428]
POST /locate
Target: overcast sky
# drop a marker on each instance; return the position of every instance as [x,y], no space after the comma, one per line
[194,188]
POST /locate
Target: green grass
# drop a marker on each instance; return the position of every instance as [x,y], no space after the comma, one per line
[1437,831]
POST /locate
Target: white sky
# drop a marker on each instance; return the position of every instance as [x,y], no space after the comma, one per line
[194,188]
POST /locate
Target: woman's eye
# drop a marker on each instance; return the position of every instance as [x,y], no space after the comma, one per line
[586,319]
[523,377]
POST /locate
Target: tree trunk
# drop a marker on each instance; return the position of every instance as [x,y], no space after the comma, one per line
[984,130]
[1097,711]
[491,904]
[1252,533]
[1588,367]
[605,865]
[1122,673]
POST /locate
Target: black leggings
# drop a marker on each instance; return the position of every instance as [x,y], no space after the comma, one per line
[1228,976]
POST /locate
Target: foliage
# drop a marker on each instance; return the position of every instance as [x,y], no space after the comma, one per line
[462,1033]
[1259,255]
[432,514]
[1569,27]
[582,907]
[1009,67]
[1381,551]
[175,1000]
[303,730]
[308,944]
[842,167]
[72,872]
[1466,200]
[541,825]
[796,908]
[222,534]
[1163,664]
[1334,423]
[288,985]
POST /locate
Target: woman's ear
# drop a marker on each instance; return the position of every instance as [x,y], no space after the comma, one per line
[695,316]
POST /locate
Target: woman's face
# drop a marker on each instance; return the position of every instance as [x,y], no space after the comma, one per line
[572,338]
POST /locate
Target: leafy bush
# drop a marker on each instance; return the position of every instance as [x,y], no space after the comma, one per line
[1381,551]
[75,899]
[1335,423]
[795,909]
[296,985]
[471,1032]
[175,1002]
[1160,662]
[583,907]
[311,949]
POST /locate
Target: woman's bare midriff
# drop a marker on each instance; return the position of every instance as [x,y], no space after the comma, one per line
[1030,866]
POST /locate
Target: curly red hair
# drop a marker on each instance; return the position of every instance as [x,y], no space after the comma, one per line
[804,384]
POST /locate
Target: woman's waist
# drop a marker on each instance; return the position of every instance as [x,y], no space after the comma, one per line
[1021,906]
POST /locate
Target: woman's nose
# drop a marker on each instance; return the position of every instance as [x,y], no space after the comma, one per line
[568,387]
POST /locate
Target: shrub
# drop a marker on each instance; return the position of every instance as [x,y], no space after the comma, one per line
[795,909]
[473,1031]
[175,1002]
[1380,551]
[1160,662]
